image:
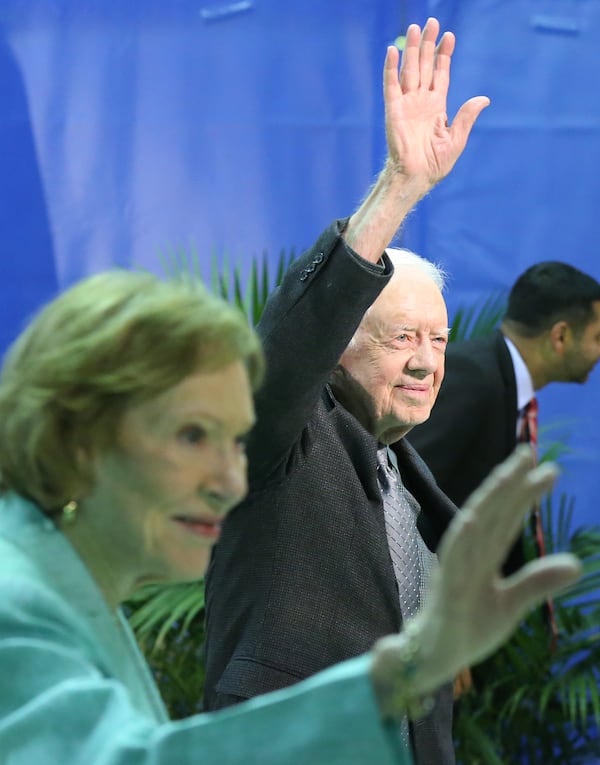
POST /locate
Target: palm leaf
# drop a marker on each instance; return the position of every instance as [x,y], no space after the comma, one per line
[158,609]
[227,280]
[481,744]
[478,320]
[536,706]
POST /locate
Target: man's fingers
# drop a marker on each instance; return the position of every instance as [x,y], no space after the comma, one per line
[409,69]
[427,52]
[465,118]
[390,72]
[441,70]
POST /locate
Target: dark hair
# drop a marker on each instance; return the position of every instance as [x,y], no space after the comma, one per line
[549,292]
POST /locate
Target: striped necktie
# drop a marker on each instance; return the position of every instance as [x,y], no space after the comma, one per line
[529,434]
[403,537]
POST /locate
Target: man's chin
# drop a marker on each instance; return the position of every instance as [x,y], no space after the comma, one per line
[390,432]
[417,415]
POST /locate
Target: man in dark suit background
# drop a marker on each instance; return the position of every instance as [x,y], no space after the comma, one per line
[303,574]
[550,333]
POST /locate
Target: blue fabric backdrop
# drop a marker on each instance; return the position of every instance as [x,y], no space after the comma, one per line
[128,129]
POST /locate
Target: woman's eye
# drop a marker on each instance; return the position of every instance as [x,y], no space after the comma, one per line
[192,434]
[242,441]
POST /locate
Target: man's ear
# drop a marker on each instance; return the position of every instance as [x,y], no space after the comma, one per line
[560,335]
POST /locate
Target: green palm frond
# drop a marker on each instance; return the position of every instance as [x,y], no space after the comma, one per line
[157,610]
[181,261]
[169,625]
[534,705]
[227,280]
[478,320]
[481,743]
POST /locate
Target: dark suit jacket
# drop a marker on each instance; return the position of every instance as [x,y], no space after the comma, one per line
[472,427]
[302,576]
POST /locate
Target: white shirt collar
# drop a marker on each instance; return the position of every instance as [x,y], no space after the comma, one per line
[525,389]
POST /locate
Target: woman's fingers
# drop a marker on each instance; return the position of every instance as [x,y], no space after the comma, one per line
[495,512]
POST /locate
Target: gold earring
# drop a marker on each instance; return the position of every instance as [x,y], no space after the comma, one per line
[69,512]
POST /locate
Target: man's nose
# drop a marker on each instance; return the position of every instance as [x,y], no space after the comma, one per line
[424,358]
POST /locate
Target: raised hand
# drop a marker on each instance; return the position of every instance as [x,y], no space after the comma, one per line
[422,147]
[421,144]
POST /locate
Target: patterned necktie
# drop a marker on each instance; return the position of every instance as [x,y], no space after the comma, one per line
[402,537]
[402,534]
[528,434]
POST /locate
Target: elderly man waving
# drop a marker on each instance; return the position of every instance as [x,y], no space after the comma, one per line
[335,545]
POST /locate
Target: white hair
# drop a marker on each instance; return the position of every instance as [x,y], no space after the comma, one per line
[403,258]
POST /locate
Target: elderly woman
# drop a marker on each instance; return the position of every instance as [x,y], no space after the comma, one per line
[123,412]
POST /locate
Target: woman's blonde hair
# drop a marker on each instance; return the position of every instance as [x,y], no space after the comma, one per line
[110,342]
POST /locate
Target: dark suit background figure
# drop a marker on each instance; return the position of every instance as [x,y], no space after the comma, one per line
[552,324]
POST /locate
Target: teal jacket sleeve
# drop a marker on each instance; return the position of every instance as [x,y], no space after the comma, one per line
[60,706]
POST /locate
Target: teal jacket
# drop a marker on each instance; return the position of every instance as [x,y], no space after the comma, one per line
[75,690]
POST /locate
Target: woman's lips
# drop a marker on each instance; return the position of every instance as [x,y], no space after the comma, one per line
[210,529]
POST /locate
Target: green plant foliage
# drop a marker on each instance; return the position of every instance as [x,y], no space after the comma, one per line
[158,609]
[478,320]
[168,621]
[531,705]
[227,280]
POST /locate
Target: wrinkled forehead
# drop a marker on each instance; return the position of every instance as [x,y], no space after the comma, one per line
[411,299]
